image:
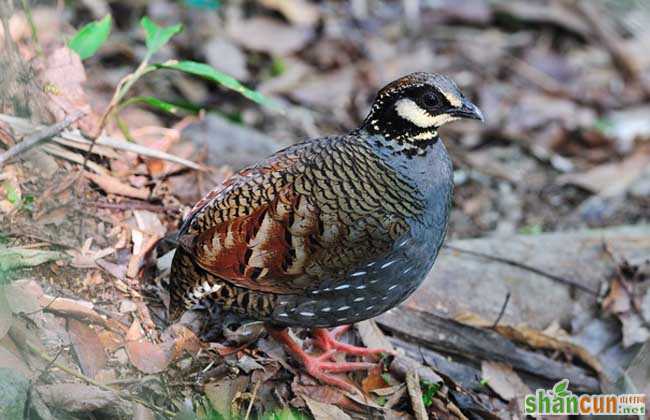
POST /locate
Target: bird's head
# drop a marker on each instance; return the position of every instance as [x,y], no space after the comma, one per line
[408,112]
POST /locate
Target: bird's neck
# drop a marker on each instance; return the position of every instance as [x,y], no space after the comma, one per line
[410,143]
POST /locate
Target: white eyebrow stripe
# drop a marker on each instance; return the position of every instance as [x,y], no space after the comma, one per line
[410,111]
[413,113]
[453,99]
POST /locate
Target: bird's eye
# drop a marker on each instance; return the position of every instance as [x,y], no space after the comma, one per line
[430,99]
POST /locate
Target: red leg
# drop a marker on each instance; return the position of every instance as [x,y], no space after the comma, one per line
[318,366]
[327,340]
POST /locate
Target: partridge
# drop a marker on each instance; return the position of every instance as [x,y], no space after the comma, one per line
[329,231]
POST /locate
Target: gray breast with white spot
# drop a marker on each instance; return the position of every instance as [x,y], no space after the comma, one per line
[378,285]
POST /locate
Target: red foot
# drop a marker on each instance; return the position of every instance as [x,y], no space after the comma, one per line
[318,366]
[327,340]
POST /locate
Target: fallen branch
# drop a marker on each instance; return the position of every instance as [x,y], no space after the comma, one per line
[41,135]
[452,337]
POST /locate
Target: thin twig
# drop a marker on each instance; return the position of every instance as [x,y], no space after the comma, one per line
[250,404]
[34,138]
[131,205]
[526,267]
[502,311]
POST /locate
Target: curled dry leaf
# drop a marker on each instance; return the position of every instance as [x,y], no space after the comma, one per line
[88,347]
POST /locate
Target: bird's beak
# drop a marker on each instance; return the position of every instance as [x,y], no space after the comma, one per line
[468,110]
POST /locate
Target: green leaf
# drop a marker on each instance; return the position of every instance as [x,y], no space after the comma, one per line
[11,193]
[90,38]
[157,36]
[208,72]
[560,388]
[168,107]
[429,390]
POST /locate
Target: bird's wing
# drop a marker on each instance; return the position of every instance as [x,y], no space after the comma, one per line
[308,214]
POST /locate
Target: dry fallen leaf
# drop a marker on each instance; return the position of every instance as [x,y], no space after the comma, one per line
[11,361]
[179,339]
[137,260]
[372,336]
[77,397]
[503,380]
[299,12]
[145,355]
[221,394]
[113,185]
[611,179]
[149,222]
[373,381]
[23,296]
[110,340]
[79,309]
[63,75]
[269,35]
[88,347]
[324,411]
